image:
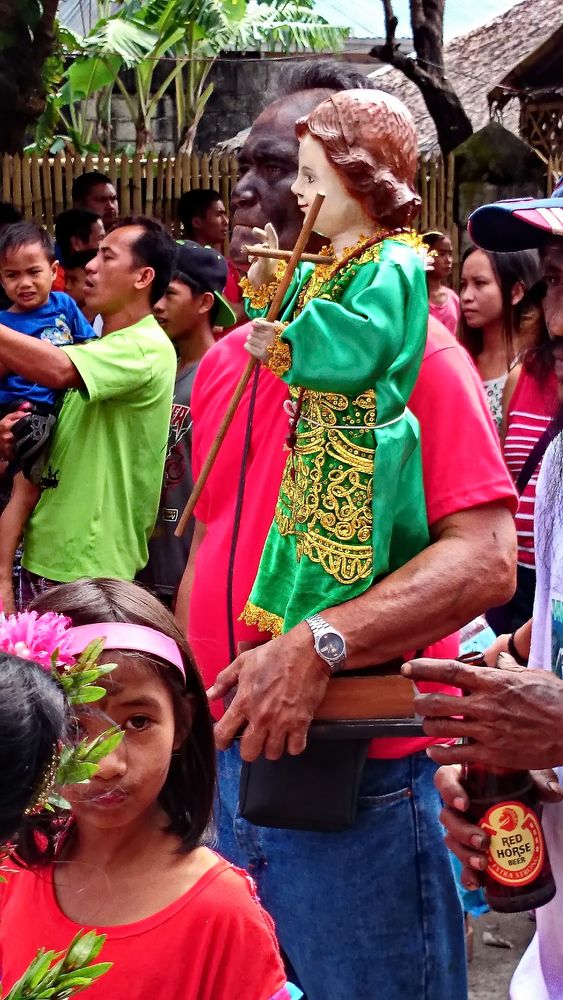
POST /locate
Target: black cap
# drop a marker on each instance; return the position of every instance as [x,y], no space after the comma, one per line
[209,268]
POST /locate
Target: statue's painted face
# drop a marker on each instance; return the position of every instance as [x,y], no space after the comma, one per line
[316,175]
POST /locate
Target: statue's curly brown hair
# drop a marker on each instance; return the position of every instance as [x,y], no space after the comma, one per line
[369,137]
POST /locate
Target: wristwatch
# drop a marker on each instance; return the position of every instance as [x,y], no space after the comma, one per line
[330,645]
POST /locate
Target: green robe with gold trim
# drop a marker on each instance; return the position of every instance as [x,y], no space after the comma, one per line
[351,506]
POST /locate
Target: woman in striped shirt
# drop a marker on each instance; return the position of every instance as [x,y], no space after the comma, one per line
[529,403]
[493,294]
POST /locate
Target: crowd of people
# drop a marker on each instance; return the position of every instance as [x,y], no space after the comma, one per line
[392,472]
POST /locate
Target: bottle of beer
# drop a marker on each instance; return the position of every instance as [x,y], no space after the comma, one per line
[504,804]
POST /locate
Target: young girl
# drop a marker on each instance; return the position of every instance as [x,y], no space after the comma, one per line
[181,923]
[351,504]
[492,327]
[443,302]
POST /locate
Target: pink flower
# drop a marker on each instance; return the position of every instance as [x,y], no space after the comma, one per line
[36,637]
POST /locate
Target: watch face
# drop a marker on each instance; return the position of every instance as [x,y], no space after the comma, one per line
[331,646]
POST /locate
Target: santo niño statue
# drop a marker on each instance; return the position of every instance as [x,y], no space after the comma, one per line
[351,504]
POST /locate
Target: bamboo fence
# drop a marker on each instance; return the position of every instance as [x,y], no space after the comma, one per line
[41,187]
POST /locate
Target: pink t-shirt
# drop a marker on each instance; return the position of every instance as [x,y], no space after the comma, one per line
[448,314]
[461,460]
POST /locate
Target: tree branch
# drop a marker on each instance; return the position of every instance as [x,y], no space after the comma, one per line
[427,70]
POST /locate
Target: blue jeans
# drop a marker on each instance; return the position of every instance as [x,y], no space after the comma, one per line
[371,913]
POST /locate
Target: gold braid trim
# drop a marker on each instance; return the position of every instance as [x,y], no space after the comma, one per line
[46,785]
[279,354]
[259,298]
[266,621]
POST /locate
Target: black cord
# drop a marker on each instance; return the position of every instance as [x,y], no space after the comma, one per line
[238,512]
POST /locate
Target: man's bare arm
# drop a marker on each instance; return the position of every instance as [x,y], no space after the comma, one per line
[469,567]
[37,360]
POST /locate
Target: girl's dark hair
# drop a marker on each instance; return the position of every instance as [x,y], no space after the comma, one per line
[32,721]
[509,268]
[188,792]
[433,236]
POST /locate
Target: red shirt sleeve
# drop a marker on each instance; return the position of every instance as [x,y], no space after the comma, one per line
[462,460]
[232,290]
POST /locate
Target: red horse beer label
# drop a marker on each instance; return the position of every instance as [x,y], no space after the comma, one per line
[517,851]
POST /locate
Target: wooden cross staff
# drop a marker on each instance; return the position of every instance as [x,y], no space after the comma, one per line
[295,257]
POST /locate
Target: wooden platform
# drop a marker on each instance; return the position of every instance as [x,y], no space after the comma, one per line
[385,697]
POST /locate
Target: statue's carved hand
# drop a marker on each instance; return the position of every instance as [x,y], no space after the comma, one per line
[262,270]
[260,339]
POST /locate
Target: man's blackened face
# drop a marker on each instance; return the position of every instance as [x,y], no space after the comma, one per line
[268,168]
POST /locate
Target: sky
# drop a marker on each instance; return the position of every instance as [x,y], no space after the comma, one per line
[365,17]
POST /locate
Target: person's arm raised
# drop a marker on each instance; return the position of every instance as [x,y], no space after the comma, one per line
[37,360]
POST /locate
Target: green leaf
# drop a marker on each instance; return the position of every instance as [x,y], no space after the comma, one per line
[79,773]
[59,975]
[88,694]
[83,949]
[107,745]
[130,40]
[87,75]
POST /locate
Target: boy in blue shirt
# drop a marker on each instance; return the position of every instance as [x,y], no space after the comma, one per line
[27,271]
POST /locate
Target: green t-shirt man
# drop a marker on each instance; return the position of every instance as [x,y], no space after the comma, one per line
[103,474]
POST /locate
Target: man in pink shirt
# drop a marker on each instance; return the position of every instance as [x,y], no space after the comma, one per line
[370,912]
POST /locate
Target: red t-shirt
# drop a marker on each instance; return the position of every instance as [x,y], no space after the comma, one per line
[461,462]
[214,943]
[59,282]
[232,290]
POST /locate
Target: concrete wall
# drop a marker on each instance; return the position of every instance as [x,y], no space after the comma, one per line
[242,88]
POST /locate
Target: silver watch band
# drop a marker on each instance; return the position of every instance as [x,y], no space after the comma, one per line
[317,624]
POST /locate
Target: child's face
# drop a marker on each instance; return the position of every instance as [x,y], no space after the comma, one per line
[27,276]
[74,284]
[125,789]
[179,310]
[442,257]
[339,211]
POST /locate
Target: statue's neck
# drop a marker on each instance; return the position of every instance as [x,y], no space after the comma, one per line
[350,237]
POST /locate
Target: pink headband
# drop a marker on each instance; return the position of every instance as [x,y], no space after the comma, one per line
[121,635]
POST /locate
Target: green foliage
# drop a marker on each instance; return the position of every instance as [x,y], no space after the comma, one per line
[28,16]
[60,975]
[188,36]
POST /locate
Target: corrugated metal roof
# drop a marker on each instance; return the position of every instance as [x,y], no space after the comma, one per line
[79,15]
